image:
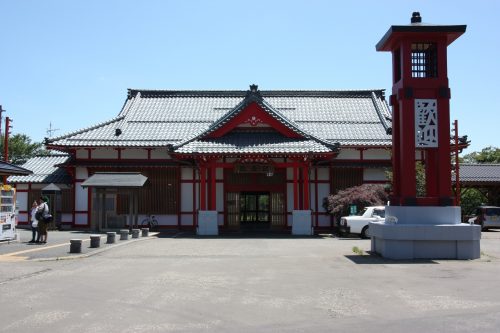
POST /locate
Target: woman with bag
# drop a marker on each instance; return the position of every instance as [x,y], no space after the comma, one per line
[34,222]
[42,213]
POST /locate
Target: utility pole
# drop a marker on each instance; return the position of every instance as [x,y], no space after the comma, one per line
[1,113]
[6,139]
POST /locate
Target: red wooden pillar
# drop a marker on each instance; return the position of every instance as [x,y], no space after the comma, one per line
[305,177]
[213,187]
[203,187]
[295,187]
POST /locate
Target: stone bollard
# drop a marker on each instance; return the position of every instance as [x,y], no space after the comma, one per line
[75,246]
[111,237]
[145,232]
[124,234]
[135,233]
[95,240]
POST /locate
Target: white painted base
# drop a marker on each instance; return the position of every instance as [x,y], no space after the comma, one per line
[425,233]
[207,223]
[302,223]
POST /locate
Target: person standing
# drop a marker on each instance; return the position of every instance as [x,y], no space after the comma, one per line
[34,222]
[43,208]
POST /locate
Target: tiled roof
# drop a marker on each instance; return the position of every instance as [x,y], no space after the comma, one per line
[11,169]
[153,118]
[253,143]
[44,170]
[480,173]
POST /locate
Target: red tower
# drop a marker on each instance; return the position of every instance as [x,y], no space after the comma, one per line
[421,109]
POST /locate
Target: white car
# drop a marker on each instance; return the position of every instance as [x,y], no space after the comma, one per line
[358,224]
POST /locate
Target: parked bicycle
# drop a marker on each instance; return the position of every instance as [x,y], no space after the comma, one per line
[150,222]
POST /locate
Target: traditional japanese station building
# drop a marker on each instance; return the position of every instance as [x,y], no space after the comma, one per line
[252,156]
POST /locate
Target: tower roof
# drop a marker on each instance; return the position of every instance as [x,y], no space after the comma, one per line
[396,32]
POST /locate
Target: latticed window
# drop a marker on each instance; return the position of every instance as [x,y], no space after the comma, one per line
[423,60]
[343,177]
[159,196]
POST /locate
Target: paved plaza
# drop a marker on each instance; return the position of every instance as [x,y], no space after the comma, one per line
[182,283]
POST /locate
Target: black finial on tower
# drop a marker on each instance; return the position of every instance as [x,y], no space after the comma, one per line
[254,88]
[416,18]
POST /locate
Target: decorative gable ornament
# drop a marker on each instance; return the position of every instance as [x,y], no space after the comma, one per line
[253,120]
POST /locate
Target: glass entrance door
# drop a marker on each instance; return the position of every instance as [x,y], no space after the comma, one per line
[254,210]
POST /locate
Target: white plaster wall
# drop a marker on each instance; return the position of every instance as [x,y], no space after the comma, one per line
[22,186]
[82,154]
[81,198]
[278,160]
[289,220]
[81,173]
[66,217]
[374,175]
[219,189]
[186,219]
[134,154]
[105,153]
[219,173]
[160,154]
[377,154]
[349,154]
[22,201]
[312,197]
[186,173]
[231,160]
[289,173]
[162,219]
[323,221]
[289,197]
[197,196]
[186,197]
[220,219]
[323,192]
[23,217]
[323,173]
[80,219]
[38,186]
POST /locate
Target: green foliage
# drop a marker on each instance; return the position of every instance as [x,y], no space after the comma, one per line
[357,250]
[362,196]
[470,198]
[21,148]
[487,155]
[420,178]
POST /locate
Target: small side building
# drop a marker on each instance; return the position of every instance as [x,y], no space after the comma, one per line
[51,179]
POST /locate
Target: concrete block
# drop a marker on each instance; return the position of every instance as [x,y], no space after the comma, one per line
[145,232]
[135,233]
[75,246]
[111,237]
[95,240]
[302,223]
[207,223]
[124,234]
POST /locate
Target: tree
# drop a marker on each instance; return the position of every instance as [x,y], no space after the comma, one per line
[362,196]
[21,148]
[487,155]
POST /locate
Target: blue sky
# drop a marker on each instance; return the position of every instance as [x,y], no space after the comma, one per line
[70,63]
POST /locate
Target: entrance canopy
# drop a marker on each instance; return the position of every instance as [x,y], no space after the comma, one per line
[116,179]
[105,184]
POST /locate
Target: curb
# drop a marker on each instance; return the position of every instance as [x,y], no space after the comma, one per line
[92,253]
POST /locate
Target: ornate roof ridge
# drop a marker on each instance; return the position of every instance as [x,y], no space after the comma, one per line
[132,93]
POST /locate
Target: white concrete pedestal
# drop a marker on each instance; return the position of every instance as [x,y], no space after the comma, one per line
[302,223]
[207,223]
[424,233]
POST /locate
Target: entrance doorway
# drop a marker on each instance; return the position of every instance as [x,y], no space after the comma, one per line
[254,211]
